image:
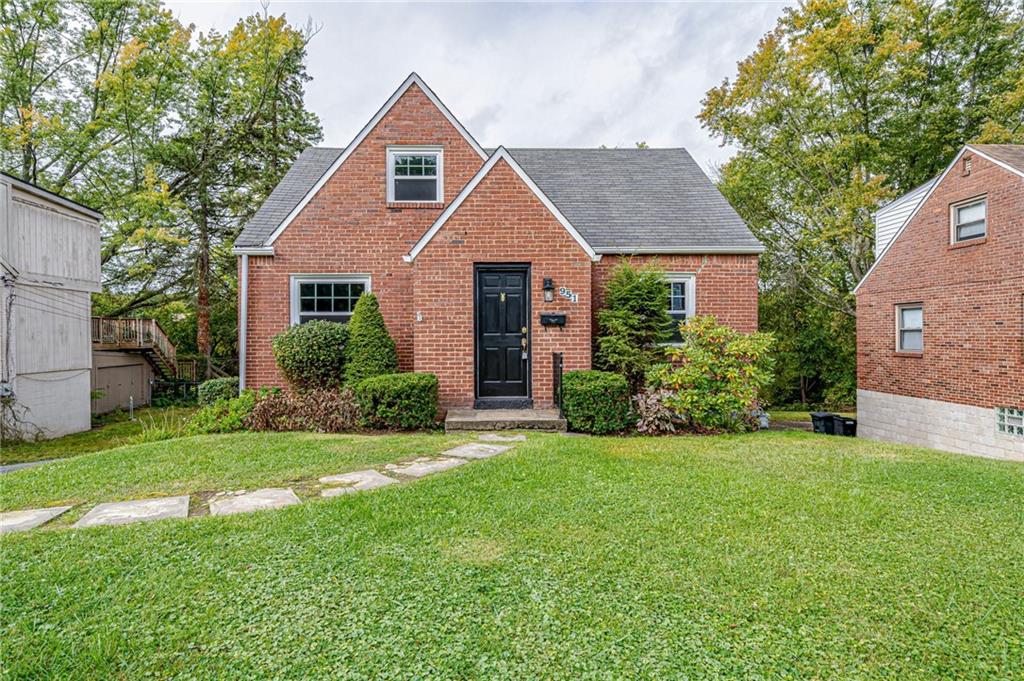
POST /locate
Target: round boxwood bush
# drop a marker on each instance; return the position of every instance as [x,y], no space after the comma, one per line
[217,389]
[370,350]
[596,402]
[312,355]
[404,401]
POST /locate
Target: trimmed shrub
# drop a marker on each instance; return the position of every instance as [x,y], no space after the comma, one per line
[321,410]
[716,377]
[596,402]
[223,416]
[312,355]
[634,323]
[370,350]
[217,389]
[403,401]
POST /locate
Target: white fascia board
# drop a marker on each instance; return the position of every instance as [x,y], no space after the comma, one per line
[717,250]
[409,82]
[499,154]
[253,250]
[999,163]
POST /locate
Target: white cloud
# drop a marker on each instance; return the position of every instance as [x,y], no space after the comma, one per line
[525,75]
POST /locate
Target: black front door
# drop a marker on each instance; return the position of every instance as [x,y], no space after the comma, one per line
[502,335]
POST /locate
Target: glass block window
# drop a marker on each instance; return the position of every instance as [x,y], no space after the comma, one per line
[331,299]
[969,220]
[1010,421]
[910,328]
[681,301]
[414,175]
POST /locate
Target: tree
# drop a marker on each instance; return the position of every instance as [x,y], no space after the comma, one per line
[842,107]
[370,350]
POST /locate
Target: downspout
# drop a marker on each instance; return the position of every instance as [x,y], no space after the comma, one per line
[243,320]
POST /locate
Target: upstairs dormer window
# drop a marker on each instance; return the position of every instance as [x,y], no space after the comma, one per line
[415,175]
[969,220]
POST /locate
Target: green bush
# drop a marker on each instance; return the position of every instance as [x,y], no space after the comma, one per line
[322,411]
[403,401]
[596,402]
[716,376]
[370,350]
[312,355]
[634,323]
[217,389]
[223,416]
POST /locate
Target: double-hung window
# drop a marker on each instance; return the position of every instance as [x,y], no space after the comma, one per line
[328,297]
[969,220]
[910,328]
[681,301]
[415,174]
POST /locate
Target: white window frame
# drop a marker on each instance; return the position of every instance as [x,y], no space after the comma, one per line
[690,279]
[296,279]
[899,327]
[436,151]
[954,210]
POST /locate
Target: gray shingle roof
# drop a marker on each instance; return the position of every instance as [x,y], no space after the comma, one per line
[620,200]
[1010,154]
[300,178]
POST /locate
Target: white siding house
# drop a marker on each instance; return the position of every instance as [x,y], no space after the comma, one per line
[49,264]
[890,217]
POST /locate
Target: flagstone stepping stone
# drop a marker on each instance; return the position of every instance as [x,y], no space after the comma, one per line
[19,521]
[476,451]
[424,465]
[356,481]
[229,503]
[142,510]
[495,437]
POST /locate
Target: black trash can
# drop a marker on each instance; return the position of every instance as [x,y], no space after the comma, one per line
[822,422]
[842,425]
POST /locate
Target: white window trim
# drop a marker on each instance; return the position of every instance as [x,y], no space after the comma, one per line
[1004,422]
[423,151]
[954,207]
[296,279]
[899,318]
[690,279]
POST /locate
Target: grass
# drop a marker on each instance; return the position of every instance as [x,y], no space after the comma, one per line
[773,556]
[802,416]
[111,430]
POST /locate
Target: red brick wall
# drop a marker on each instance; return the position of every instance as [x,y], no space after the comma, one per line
[348,228]
[726,284]
[973,298]
[500,222]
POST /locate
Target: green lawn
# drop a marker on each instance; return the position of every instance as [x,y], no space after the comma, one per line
[773,555]
[112,430]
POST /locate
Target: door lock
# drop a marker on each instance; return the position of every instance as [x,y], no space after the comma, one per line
[501,296]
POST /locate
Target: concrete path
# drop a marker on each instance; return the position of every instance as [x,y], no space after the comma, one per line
[356,481]
[476,450]
[229,503]
[424,465]
[143,510]
[19,521]
[495,437]
[11,467]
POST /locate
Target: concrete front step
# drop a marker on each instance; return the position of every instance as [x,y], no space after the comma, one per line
[504,419]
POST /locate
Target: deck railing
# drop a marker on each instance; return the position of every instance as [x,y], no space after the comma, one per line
[134,333]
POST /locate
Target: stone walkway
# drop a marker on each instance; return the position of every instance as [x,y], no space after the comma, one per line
[242,501]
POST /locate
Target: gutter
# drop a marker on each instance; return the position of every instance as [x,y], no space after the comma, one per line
[243,319]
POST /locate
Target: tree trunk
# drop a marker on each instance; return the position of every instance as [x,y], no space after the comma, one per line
[203,342]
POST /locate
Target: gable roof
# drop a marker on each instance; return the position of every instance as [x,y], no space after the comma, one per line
[500,154]
[1008,156]
[47,195]
[247,239]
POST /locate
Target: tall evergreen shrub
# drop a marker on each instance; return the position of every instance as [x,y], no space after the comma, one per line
[370,350]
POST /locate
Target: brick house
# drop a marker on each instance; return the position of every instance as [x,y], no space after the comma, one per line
[940,315]
[485,262]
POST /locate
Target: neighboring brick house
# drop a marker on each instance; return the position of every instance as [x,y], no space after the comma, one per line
[485,262]
[940,315]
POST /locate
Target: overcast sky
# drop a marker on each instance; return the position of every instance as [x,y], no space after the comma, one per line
[524,75]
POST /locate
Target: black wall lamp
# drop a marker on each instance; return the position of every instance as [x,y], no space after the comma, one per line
[549,290]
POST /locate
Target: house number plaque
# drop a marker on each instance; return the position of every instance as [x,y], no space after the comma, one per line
[568,294]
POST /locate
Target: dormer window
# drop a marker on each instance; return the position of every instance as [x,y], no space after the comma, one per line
[415,175]
[969,220]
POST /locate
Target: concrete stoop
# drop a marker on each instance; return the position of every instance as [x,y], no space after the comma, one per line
[504,419]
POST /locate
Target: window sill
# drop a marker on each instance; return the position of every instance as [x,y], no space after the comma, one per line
[398,205]
[901,353]
[968,243]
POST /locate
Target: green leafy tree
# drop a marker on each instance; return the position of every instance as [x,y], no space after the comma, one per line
[634,322]
[370,350]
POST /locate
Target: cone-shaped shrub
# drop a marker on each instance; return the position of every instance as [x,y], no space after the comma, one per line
[370,351]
